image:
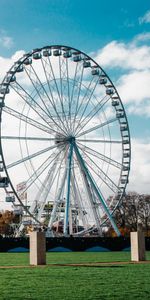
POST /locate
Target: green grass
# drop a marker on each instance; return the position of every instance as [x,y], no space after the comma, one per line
[130,281]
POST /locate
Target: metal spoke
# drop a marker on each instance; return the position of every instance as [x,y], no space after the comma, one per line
[38,172]
[91,91]
[45,92]
[52,174]
[61,63]
[78,97]
[91,197]
[48,182]
[72,92]
[105,178]
[53,76]
[78,197]
[101,156]
[58,118]
[36,88]
[100,141]
[69,99]
[96,190]
[70,154]
[49,176]
[29,138]
[97,127]
[29,102]
[26,119]
[32,156]
[92,114]
[52,101]
[57,200]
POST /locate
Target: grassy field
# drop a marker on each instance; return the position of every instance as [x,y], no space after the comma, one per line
[124,281]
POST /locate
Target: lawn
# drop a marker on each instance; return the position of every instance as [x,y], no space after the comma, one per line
[126,281]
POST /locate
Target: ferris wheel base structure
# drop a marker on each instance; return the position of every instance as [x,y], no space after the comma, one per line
[65,136]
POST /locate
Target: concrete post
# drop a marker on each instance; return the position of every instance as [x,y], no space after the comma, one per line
[37,248]
[137,246]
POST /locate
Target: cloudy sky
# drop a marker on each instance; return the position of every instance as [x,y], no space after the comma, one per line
[115,33]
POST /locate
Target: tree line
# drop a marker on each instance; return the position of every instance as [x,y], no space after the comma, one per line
[132,214]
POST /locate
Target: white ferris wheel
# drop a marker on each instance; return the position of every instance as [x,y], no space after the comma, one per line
[65,134]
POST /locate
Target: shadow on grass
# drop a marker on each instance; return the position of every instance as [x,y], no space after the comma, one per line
[89,266]
[104,266]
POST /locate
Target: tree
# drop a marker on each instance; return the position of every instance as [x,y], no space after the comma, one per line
[133,213]
[7,220]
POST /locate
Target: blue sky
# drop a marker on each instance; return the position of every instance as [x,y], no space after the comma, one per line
[86,24]
[115,33]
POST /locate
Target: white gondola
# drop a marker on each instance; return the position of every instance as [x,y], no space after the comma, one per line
[126,141]
[103,80]
[120,115]
[1,166]
[2,104]
[10,78]
[10,198]
[115,103]
[67,54]
[95,71]
[86,64]
[4,90]
[28,61]
[4,181]
[123,181]
[37,55]
[123,127]
[125,168]
[57,52]
[109,91]
[47,52]
[126,155]
[18,68]
[122,122]
[77,58]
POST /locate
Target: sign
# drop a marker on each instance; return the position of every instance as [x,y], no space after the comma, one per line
[21,190]
[21,186]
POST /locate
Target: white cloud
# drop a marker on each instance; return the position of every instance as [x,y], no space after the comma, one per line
[124,56]
[134,87]
[145,18]
[142,37]
[5,40]
[133,62]
[131,65]
[142,109]
[6,63]
[140,166]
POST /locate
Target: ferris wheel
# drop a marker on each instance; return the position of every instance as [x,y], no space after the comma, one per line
[65,135]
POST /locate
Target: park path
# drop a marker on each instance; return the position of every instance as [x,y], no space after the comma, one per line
[95,264]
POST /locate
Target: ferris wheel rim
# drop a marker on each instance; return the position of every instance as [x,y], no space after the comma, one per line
[21,62]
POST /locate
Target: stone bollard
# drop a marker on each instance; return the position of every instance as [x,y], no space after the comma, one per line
[137,246]
[37,248]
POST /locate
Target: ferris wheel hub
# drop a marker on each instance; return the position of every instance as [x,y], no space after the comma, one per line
[61,139]
[70,139]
